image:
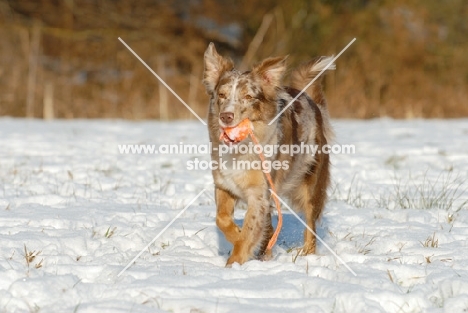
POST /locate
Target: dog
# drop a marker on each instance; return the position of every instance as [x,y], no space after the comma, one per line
[258,95]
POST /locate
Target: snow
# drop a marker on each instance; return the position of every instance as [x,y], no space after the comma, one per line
[81,211]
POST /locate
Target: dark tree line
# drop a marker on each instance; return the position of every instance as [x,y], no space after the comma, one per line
[61,58]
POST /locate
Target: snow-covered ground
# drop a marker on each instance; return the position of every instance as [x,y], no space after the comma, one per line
[74,212]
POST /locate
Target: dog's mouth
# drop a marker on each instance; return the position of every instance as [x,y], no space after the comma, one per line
[235,134]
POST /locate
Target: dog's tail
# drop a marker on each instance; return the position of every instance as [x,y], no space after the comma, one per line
[304,74]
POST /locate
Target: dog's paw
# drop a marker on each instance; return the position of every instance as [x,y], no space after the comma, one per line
[266,256]
[235,258]
[307,249]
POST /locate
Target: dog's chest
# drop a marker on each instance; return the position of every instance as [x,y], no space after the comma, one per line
[237,176]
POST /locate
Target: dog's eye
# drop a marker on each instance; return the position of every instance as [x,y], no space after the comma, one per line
[248,97]
[221,96]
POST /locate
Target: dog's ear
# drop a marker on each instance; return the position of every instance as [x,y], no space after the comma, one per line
[215,66]
[271,71]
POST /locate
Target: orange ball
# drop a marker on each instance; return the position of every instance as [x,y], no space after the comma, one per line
[237,133]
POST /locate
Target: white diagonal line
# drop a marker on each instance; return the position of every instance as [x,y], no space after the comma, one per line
[162,81]
[160,233]
[312,81]
[316,236]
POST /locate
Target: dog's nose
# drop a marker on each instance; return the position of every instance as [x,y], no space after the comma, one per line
[226,117]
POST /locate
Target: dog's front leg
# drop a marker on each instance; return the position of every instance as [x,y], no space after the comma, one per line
[224,208]
[252,230]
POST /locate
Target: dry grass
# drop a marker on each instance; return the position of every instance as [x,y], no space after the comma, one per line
[446,191]
[431,242]
[30,257]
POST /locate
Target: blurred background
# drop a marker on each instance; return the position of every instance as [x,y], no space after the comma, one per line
[62,58]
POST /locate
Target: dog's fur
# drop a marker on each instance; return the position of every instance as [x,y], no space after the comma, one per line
[259,96]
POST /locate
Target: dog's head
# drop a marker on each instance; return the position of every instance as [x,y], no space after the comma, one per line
[236,96]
